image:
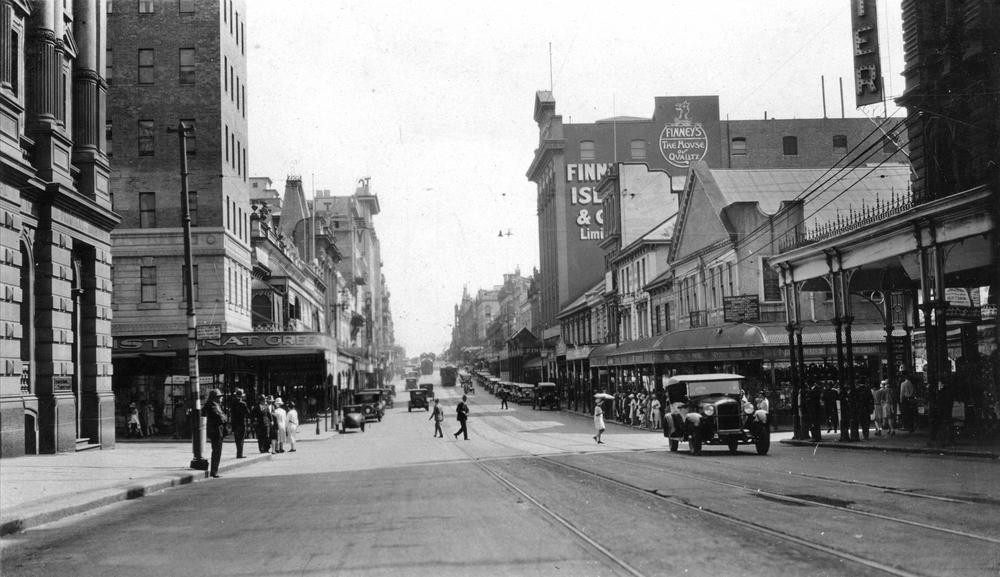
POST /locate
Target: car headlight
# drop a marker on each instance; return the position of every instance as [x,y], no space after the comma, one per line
[709,410]
[748,408]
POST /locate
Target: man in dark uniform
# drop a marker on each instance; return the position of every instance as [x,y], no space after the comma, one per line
[830,398]
[814,408]
[462,411]
[260,415]
[863,403]
[216,428]
[239,414]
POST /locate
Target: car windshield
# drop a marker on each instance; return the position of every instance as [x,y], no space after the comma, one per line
[699,388]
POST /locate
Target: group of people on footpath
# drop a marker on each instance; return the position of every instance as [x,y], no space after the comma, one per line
[270,421]
[639,409]
[461,413]
[864,408]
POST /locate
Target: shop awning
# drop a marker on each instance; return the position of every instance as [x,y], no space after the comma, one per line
[599,355]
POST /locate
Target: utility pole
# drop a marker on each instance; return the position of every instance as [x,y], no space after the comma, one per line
[198,461]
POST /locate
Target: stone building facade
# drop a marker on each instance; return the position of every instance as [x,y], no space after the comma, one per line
[55,224]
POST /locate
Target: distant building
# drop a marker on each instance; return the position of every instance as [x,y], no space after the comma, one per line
[55,223]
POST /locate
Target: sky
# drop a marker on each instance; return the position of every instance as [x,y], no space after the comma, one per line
[433,101]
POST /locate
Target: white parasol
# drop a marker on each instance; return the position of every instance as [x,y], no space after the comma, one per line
[604,397]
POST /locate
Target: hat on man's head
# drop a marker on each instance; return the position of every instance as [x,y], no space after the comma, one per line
[269,399]
[278,401]
[214,393]
[238,392]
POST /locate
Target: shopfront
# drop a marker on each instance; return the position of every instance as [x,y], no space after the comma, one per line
[151,371]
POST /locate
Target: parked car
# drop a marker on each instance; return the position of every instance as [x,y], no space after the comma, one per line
[546,396]
[418,400]
[372,403]
[711,410]
[351,417]
[524,394]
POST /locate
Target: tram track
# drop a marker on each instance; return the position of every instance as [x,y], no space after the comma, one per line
[759,492]
[868,564]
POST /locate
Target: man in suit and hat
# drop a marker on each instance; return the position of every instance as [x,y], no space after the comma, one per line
[239,413]
[216,428]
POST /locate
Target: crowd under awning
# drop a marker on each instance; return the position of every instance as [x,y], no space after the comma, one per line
[733,342]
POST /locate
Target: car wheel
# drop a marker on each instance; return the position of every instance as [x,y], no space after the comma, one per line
[763,442]
[362,426]
[674,445]
[409,409]
[734,445]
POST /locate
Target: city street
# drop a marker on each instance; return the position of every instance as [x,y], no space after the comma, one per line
[530,493]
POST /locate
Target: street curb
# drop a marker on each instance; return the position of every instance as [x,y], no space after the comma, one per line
[29,516]
[915,450]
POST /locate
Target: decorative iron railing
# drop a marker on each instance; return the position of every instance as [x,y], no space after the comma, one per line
[853,219]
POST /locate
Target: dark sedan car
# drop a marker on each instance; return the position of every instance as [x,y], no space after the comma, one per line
[418,400]
[546,396]
[372,403]
[710,410]
[352,417]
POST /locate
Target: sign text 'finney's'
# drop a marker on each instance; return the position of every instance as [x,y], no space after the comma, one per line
[589,221]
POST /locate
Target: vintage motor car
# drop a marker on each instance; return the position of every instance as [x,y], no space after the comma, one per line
[351,417]
[411,383]
[418,400]
[389,396]
[372,404]
[429,387]
[710,410]
[524,394]
[546,396]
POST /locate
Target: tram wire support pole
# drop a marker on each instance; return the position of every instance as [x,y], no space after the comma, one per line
[198,460]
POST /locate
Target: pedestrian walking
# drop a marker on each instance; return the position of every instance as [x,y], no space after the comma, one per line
[764,405]
[503,399]
[280,422]
[654,409]
[239,415]
[814,408]
[462,412]
[260,415]
[292,426]
[438,416]
[599,421]
[216,429]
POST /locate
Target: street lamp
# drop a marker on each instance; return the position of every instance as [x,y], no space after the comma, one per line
[198,432]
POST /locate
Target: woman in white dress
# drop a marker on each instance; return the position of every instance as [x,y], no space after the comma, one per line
[599,420]
[280,422]
[292,426]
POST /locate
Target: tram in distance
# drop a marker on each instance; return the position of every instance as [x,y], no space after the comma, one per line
[449,375]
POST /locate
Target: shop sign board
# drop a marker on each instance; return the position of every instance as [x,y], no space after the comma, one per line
[868,87]
[741,308]
[209,332]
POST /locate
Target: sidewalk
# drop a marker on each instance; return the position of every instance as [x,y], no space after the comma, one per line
[39,489]
[904,442]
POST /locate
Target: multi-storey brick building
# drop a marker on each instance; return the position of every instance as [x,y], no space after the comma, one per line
[55,223]
[571,160]
[171,63]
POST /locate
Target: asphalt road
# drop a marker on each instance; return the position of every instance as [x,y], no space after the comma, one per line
[531,494]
